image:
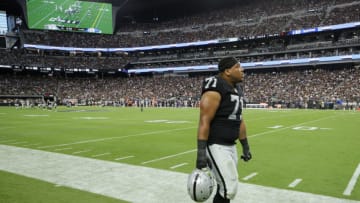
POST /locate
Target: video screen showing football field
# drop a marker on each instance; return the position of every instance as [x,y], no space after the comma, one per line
[70,15]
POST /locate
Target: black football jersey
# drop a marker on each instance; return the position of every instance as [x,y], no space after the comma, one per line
[225,127]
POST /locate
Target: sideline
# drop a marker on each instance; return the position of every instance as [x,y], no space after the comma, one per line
[136,184]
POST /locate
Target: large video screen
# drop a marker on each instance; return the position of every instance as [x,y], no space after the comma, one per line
[70,15]
[3,23]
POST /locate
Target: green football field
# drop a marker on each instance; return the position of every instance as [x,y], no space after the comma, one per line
[47,14]
[319,149]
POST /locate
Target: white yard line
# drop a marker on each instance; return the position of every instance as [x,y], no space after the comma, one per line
[103,154]
[83,151]
[352,182]
[62,149]
[36,144]
[170,156]
[122,158]
[113,138]
[295,183]
[179,165]
[281,129]
[131,183]
[6,141]
[24,142]
[248,177]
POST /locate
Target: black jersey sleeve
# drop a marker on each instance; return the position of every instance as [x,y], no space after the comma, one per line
[212,84]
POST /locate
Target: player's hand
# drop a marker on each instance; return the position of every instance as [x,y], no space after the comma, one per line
[246,156]
[201,160]
[201,163]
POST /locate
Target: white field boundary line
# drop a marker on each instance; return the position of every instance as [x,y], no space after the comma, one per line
[62,149]
[295,183]
[292,126]
[125,157]
[178,165]
[7,141]
[131,183]
[21,142]
[36,144]
[248,177]
[113,138]
[352,182]
[83,151]
[103,154]
[170,156]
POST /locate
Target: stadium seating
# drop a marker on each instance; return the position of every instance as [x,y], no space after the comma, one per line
[302,87]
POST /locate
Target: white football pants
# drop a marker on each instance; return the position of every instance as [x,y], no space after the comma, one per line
[224,160]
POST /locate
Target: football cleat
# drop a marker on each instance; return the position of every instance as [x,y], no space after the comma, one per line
[200,184]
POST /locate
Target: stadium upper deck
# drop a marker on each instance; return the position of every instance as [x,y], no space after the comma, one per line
[242,21]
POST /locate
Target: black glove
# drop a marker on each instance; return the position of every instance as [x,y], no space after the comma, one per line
[246,150]
[201,161]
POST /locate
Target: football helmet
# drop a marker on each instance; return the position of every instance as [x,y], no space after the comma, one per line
[200,184]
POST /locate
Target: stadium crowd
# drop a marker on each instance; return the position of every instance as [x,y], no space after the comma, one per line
[311,87]
[302,88]
[257,18]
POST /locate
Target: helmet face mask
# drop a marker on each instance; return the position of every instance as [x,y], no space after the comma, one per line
[200,184]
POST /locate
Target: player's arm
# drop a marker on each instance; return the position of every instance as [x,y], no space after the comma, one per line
[209,103]
[242,134]
[244,142]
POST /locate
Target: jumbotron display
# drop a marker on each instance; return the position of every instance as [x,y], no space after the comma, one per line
[70,15]
[3,23]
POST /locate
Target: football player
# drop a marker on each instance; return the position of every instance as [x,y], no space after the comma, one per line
[220,125]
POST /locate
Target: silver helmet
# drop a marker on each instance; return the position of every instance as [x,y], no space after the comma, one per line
[200,184]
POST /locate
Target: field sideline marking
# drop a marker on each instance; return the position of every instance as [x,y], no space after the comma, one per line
[6,141]
[295,183]
[28,145]
[137,184]
[78,152]
[112,138]
[21,142]
[103,154]
[280,129]
[352,181]
[179,165]
[248,177]
[125,157]
[62,149]
[170,156]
